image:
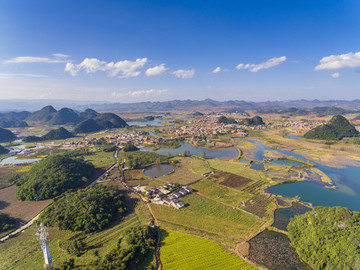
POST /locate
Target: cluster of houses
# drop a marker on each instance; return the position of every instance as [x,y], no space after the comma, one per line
[167,194]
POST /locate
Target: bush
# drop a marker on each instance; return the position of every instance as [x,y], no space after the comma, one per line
[6,222]
[90,209]
[51,177]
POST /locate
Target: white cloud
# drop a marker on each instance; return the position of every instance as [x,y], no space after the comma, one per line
[185,74]
[141,93]
[216,70]
[157,70]
[126,68]
[335,75]
[32,59]
[275,61]
[8,75]
[61,55]
[339,61]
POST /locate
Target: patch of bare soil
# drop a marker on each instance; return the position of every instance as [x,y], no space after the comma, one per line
[232,180]
[273,250]
[23,211]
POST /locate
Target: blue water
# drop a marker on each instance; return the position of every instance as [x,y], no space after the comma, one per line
[257,166]
[346,179]
[228,153]
[155,122]
[292,136]
[158,170]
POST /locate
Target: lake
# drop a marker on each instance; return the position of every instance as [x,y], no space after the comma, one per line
[158,170]
[346,179]
[228,153]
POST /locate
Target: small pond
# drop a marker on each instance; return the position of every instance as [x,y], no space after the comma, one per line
[257,166]
[15,160]
[228,153]
[158,170]
[282,216]
[293,136]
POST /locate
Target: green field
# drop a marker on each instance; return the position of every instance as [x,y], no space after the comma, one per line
[24,251]
[199,166]
[101,159]
[234,167]
[182,251]
[221,193]
[205,217]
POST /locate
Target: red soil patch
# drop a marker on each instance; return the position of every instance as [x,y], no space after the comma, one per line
[21,210]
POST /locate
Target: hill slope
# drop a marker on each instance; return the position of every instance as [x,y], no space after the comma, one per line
[337,128]
[101,122]
[65,116]
[6,135]
[44,115]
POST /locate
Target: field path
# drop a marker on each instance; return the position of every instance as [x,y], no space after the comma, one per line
[20,229]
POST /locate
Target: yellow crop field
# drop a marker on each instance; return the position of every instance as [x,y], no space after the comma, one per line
[183,251]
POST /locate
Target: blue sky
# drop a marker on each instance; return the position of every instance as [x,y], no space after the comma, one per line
[129,51]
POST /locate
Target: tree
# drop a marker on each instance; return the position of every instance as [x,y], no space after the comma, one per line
[203,154]
[186,153]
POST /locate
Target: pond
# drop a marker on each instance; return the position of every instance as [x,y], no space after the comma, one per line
[282,216]
[15,160]
[158,170]
[292,136]
[346,179]
[257,166]
[228,153]
[273,250]
[156,122]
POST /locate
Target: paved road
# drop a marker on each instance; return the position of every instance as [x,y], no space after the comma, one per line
[20,229]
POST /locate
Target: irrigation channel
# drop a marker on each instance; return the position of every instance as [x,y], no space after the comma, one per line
[346,179]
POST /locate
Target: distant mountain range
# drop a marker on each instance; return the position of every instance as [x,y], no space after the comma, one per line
[187,105]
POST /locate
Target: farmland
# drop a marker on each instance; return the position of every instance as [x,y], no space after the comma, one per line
[182,251]
[208,218]
[221,193]
[234,167]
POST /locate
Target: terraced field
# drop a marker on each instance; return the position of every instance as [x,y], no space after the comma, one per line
[186,252]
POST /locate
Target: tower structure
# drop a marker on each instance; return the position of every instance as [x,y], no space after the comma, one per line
[44,242]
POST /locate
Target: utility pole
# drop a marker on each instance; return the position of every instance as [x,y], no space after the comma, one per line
[44,242]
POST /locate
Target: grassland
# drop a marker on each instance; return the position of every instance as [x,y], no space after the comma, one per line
[208,218]
[101,159]
[199,166]
[24,251]
[221,193]
[186,252]
[234,167]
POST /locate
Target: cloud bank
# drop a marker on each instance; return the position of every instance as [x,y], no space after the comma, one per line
[184,74]
[275,61]
[125,68]
[155,71]
[141,93]
[339,61]
[32,59]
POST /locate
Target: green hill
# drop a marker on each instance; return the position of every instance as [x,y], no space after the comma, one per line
[88,113]
[327,238]
[337,128]
[87,126]
[3,150]
[13,124]
[226,120]
[6,135]
[44,115]
[101,122]
[51,177]
[255,121]
[57,134]
[65,116]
